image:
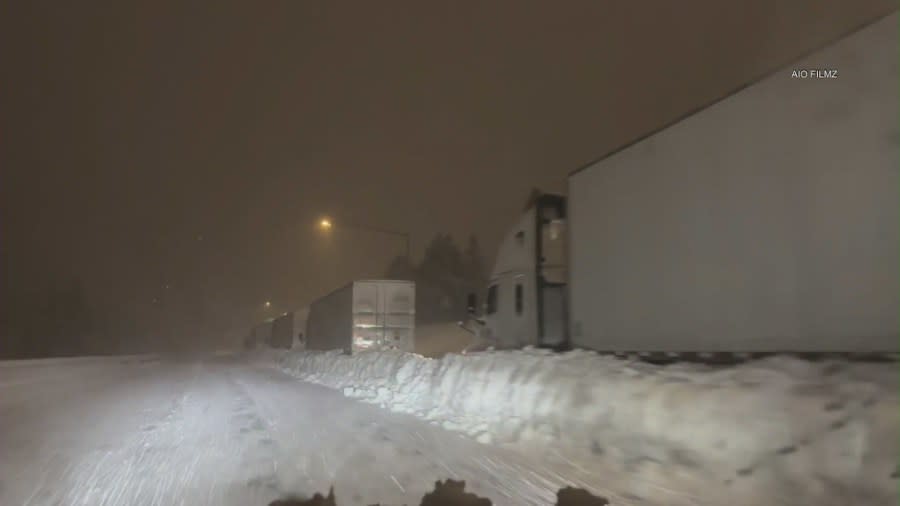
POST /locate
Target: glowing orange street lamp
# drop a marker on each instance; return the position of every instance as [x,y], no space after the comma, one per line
[325,224]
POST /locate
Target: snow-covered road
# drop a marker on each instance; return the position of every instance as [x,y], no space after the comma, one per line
[224,432]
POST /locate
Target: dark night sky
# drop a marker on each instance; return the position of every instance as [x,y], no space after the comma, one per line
[130,129]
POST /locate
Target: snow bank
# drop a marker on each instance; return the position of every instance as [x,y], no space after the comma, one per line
[818,428]
[263,355]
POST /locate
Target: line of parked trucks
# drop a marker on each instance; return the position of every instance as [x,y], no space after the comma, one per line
[363,315]
[765,222]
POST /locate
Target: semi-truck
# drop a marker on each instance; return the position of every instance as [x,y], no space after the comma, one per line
[766,221]
[364,315]
[261,333]
[289,330]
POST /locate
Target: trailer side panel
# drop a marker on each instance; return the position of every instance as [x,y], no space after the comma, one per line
[282,331]
[330,323]
[766,222]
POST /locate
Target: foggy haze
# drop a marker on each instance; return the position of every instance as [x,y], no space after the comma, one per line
[164,155]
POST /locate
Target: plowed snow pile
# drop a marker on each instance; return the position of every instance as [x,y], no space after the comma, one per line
[780,429]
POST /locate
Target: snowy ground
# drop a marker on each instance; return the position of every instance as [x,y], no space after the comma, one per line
[222,431]
[230,431]
[778,431]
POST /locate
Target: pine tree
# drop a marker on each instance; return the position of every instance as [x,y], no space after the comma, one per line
[443,278]
[400,268]
[475,269]
[440,286]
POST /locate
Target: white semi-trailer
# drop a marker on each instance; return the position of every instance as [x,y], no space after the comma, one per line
[364,315]
[289,330]
[765,222]
[261,334]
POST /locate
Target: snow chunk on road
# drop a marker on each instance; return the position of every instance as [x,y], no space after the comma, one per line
[811,428]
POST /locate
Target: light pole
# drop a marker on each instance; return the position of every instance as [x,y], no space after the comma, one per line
[326,224]
[263,311]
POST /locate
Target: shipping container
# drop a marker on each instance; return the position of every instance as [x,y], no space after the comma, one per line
[364,315]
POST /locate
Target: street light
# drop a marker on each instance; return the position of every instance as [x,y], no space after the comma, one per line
[267,304]
[326,224]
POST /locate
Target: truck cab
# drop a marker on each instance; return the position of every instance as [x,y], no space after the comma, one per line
[525,300]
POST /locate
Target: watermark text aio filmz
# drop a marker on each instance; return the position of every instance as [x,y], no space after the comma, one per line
[814,73]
